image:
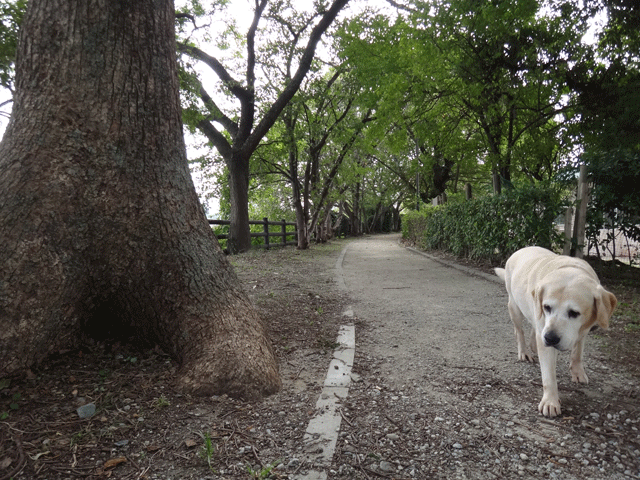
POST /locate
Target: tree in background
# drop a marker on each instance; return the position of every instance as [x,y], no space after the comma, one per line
[466,86]
[236,135]
[100,226]
[11,14]
[608,84]
[488,93]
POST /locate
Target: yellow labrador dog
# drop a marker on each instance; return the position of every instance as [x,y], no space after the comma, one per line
[563,300]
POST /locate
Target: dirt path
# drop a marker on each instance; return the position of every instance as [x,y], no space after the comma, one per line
[439,392]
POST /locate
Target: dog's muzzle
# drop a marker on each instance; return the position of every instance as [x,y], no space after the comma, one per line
[551,339]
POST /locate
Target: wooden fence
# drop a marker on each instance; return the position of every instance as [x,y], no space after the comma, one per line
[266,234]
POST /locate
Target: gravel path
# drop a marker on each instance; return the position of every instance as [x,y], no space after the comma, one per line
[439,393]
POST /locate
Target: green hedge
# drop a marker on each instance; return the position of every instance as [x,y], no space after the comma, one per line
[491,227]
[414,223]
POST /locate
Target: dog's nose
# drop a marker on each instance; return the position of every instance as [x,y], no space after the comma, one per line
[551,339]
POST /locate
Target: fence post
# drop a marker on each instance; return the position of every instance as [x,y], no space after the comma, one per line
[567,231]
[581,214]
[284,233]
[266,232]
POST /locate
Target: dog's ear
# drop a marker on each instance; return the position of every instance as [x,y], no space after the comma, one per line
[604,303]
[537,295]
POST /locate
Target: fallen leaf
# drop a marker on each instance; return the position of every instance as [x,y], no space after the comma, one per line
[114,462]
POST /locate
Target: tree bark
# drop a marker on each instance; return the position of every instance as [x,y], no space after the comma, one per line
[100,225]
[239,239]
[289,120]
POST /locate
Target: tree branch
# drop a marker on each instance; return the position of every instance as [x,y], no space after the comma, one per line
[216,113]
[234,86]
[247,103]
[305,63]
[216,138]
[188,16]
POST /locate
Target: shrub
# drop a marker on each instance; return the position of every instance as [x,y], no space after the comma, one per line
[414,223]
[491,227]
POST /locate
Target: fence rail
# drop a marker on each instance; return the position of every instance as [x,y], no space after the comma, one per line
[266,234]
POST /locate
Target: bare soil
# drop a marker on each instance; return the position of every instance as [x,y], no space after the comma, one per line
[144,429]
[426,428]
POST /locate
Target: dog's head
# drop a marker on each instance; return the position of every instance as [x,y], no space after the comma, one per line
[569,306]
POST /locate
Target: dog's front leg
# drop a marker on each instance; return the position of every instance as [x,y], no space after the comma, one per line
[550,404]
[524,352]
[577,369]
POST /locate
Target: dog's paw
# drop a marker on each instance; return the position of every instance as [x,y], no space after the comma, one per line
[549,406]
[527,356]
[578,374]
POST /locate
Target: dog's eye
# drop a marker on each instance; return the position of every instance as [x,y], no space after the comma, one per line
[573,314]
[547,308]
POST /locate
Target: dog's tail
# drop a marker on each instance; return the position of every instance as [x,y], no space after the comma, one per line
[500,273]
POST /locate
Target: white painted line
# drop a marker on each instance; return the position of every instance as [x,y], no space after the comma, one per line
[321,436]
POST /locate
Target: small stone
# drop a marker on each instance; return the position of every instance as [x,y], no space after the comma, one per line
[386,466]
[393,436]
[524,457]
[87,411]
[457,446]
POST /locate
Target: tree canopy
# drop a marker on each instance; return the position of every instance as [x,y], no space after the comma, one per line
[489,94]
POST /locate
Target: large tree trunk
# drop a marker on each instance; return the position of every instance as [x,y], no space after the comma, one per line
[100,226]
